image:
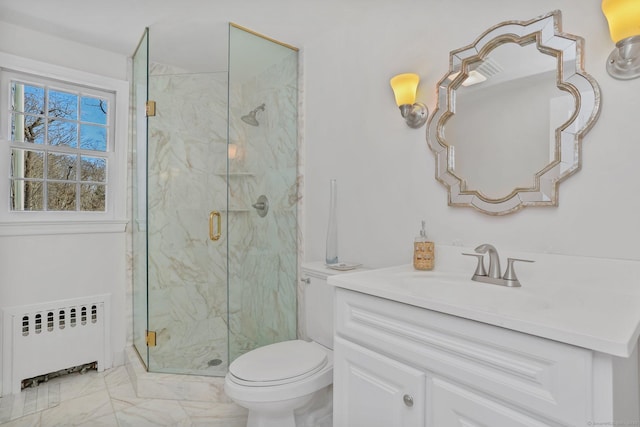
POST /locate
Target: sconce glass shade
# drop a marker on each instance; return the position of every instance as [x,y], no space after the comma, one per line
[623,17]
[404,88]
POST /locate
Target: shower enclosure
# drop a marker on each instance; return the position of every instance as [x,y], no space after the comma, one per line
[214,160]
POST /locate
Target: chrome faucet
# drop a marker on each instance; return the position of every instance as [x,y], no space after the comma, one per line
[495,277]
[494,259]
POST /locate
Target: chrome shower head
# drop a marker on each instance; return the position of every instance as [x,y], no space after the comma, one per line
[251,117]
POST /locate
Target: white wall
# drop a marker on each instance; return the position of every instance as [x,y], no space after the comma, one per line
[46,268]
[53,50]
[42,268]
[385,172]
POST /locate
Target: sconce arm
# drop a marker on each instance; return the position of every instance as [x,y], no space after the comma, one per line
[624,62]
[415,115]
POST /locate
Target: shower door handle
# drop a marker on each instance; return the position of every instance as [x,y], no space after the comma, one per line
[215,214]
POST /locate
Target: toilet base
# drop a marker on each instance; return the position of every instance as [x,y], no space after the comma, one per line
[274,414]
[270,420]
[312,410]
[319,412]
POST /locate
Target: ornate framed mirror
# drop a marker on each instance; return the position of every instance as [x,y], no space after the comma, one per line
[511,114]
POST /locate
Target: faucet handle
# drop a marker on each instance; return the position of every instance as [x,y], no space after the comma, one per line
[510,273]
[480,271]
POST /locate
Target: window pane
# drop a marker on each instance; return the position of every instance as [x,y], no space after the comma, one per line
[92,197]
[93,138]
[26,195]
[26,98]
[93,169]
[61,143]
[61,166]
[63,105]
[27,129]
[27,164]
[61,196]
[94,110]
[63,133]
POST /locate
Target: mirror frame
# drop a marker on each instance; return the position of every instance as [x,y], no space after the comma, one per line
[546,32]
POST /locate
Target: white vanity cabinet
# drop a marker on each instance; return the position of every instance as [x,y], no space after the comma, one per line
[375,390]
[398,365]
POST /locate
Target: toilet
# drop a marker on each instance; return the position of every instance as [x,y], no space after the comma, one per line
[289,384]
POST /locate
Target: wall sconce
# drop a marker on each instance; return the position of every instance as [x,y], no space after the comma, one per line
[404,88]
[624,25]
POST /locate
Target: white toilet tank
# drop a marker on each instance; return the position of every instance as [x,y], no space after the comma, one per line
[318,302]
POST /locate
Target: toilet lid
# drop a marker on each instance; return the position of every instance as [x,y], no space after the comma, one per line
[281,361]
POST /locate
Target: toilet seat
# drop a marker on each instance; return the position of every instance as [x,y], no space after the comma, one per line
[275,364]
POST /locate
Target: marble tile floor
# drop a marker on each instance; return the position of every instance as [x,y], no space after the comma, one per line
[108,398]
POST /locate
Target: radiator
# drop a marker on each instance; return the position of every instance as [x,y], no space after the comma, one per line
[43,338]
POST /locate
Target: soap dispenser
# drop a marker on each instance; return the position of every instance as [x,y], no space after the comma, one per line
[423,251]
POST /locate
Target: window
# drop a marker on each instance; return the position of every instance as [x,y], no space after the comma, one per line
[63,149]
[61,146]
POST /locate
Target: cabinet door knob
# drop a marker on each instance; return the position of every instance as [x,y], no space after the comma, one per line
[408,400]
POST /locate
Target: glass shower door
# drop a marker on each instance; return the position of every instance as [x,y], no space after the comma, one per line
[262,191]
[180,196]
[187,259]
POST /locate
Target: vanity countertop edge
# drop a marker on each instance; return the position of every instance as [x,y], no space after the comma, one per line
[590,312]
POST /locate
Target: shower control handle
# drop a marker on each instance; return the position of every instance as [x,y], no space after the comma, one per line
[261,206]
[306,280]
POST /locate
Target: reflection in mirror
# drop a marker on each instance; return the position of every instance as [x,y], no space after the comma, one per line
[512,119]
[511,114]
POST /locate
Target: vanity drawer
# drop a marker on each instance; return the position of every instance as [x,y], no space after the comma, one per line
[541,375]
[453,405]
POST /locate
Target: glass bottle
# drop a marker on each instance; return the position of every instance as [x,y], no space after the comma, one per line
[332,229]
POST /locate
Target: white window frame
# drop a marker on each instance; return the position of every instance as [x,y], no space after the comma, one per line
[113,219]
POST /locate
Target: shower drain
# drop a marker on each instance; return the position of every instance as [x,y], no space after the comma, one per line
[214,362]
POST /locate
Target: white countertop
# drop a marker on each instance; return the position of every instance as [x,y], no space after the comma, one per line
[588,302]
